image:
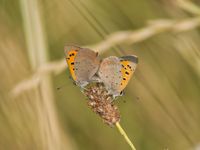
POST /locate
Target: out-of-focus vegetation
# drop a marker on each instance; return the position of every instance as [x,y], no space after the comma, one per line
[160,109]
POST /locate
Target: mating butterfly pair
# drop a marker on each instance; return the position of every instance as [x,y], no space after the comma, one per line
[114,72]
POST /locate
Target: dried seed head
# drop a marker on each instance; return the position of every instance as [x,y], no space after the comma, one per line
[102,103]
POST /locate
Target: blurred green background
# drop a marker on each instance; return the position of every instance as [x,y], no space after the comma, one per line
[161,106]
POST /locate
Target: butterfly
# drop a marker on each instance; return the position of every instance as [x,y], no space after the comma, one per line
[116,72]
[83,64]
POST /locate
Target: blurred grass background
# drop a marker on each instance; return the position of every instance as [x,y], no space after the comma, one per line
[160,109]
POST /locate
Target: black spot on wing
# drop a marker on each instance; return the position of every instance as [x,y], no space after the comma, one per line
[129,66]
[127,73]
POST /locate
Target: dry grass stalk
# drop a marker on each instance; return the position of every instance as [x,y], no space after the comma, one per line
[49,128]
[188,6]
[156,27]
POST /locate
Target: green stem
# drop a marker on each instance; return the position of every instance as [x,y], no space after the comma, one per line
[123,133]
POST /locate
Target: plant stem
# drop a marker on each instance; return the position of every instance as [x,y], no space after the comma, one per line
[123,133]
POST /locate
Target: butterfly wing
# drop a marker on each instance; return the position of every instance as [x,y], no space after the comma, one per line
[129,64]
[109,74]
[70,54]
[86,64]
[116,72]
[83,64]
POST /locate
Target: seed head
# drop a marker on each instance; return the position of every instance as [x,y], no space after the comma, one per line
[102,103]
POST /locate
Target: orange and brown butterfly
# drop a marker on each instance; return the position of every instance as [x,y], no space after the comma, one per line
[116,72]
[83,64]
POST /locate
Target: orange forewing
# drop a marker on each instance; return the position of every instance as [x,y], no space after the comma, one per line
[70,58]
[126,72]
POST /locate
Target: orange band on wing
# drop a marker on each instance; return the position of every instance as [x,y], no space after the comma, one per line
[70,58]
[127,72]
